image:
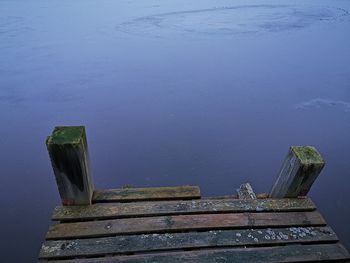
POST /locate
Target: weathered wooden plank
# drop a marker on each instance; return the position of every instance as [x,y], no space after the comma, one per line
[154,193]
[299,171]
[183,223]
[285,254]
[171,241]
[69,156]
[245,191]
[120,210]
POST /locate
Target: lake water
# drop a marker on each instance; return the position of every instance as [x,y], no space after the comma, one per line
[209,93]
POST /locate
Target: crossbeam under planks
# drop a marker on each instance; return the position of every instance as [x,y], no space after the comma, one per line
[159,231]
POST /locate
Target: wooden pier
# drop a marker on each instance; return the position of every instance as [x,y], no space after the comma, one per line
[176,224]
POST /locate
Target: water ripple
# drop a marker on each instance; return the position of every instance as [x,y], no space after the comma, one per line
[232,20]
[320,103]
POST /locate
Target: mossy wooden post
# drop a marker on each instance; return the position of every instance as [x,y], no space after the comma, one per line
[69,156]
[299,170]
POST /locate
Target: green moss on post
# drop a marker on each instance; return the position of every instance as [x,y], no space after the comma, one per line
[299,171]
[66,135]
[69,156]
[307,155]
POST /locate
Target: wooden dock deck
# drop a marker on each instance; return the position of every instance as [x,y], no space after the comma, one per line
[175,224]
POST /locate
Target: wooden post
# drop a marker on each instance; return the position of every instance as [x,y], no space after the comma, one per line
[69,156]
[299,170]
[245,191]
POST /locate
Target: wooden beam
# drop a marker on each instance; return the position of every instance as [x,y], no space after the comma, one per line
[143,209]
[147,194]
[193,240]
[182,223]
[245,191]
[299,170]
[281,254]
[69,156]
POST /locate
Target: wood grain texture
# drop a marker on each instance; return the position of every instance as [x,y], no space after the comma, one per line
[144,194]
[299,171]
[245,191]
[171,241]
[285,254]
[120,210]
[180,223]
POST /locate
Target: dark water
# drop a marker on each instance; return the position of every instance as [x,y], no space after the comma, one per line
[210,93]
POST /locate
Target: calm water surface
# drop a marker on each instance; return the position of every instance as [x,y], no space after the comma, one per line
[210,93]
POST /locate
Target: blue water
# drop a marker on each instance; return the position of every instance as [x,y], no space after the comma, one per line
[210,93]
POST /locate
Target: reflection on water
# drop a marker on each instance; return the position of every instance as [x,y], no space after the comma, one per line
[171,93]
